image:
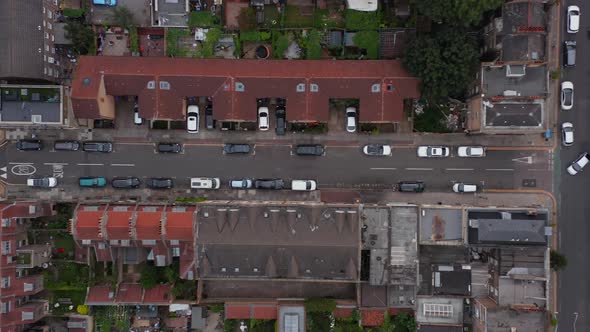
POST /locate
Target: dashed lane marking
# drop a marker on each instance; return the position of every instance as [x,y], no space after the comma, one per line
[459,169]
[500,169]
[383,168]
[123,165]
[82,164]
[53,164]
[418,169]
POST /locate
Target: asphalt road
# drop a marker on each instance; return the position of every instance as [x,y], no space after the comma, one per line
[574,191]
[341,167]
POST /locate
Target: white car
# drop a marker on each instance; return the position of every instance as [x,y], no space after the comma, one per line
[192,119]
[579,164]
[464,188]
[573,19]
[205,183]
[303,185]
[471,151]
[351,119]
[263,121]
[136,118]
[47,182]
[433,151]
[567,133]
[567,95]
[377,150]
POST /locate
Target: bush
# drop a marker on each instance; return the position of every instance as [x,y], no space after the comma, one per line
[320,305]
[202,19]
[185,290]
[313,48]
[357,20]
[280,43]
[368,40]
[558,261]
[133,39]
[149,277]
[216,308]
[73,13]
[190,199]
[208,46]
[229,325]
[172,36]
[254,35]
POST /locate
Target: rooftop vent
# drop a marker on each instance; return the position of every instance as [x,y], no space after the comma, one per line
[164,85]
[300,87]
[151,85]
[376,88]
[86,81]
[240,87]
[314,87]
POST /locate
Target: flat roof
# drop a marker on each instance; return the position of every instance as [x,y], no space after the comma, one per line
[31,104]
[162,84]
[273,289]
[523,114]
[507,227]
[496,82]
[441,226]
[523,47]
[439,310]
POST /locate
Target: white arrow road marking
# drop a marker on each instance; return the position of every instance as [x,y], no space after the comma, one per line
[525,160]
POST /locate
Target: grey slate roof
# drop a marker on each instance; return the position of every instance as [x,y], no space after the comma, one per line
[21,39]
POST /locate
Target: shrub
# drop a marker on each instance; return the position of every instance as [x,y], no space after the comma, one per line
[73,13]
[134,39]
[558,261]
[254,35]
[313,48]
[216,308]
[280,43]
[320,305]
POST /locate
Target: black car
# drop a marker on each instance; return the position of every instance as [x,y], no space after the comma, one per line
[411,186]
[209,122]
[29,145]
[129,182]
[231,148]
[160,183]
[269,184]
[569,53]
[97,147]
[281,121]
[104,124]
[169,147]
[309,150]
[66,146]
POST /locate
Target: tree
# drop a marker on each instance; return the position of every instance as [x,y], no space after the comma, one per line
[404,323]
[445,63]
[123,17]
[149,277]
[457,12]
[81,36]
[557,261]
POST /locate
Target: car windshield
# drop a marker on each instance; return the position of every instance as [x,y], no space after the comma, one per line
[567,96]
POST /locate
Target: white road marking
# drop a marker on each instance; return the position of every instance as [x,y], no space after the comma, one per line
[418,169]
[525,160]
[123,165]
[90,164]
[500,169]
[12,163]
[51,164]
[459,169]
[383,168]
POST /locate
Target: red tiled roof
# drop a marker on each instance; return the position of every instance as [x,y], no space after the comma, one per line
[105,254]
[160,294]
[118,224]
[88,224]
[264,312]
[372,317]
[381,86]
[99,295]
[179,225]
[148,224]
[235,311]
[187,259]
[129,293]
[343,312]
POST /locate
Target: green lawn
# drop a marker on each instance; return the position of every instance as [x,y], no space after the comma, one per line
[65,241]
[66,298]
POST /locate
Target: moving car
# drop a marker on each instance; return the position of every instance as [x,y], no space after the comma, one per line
[567,95]
[192,119]
[263,121]
[45,182]
[105,147]
[129,182]
[309,150]
[209,122]
[280,121]
[471,151]
[136,118]
[66,146]
[464,188]
[569,53]
[304,185]
[350,119]
[567,133]
[231,148]
[573,19]
[92,182]
[205,183]
[579,164]
[433,151]
[160,183]
[29,145]
[269,184]
[169,147]
[377,150]
[410,186]
[241,184]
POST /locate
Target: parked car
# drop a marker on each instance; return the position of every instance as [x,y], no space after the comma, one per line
[269,184]
[45,182]
[232,148]
[351,119]
[433,151]
[578,165]
[309,150]
[573,19]
[567,133]
[108,3]
[136,118]
[66,146]
[241,184]
[567,95]
[471,151]
[192,119]
[280,121]
[569,53]
[160,183]
[263,121]
[464,188]
[209,122]
[92,182]
[205,183]
[29,145]
[129,182]
[377,150]
[411,186]
[169,147]
[104,147]
[304,185]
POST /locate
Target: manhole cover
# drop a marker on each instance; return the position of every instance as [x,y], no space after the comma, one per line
[529,182]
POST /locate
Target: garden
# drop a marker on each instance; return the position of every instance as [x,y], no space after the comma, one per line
[182,289]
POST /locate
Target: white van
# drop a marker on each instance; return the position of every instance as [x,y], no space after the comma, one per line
[464,188]
[303,185]
[205,183]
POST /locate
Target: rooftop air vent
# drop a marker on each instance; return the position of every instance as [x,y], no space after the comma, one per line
[300,87]
[240,87]
[376,88]
[151,85]
[314,87]
[164,85]
[86,81]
